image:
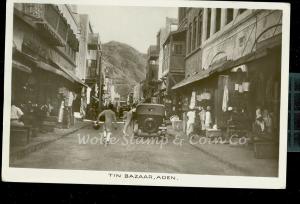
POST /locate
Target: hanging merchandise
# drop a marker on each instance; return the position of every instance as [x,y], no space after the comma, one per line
[193,100]
[96,90]
[241,88]
[225,99]
[207,95]
[88,95]
[246,86]
[236,87]
[199,97]
[62,90]
[70,99]
[61,112]
[208,119]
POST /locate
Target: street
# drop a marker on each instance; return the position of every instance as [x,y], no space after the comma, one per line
[68,153]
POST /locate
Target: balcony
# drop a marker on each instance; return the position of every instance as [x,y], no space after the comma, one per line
[51,23]
[152,52]
[93,41]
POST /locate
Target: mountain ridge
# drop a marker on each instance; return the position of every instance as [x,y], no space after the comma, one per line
[129,65]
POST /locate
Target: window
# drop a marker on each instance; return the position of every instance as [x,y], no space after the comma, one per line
[199,30]
[178,49]
[229,15]
[208,23]
[218,19]
[92,72]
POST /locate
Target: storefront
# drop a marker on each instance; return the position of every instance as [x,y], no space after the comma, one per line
[239,87]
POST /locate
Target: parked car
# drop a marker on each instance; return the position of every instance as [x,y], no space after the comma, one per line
[149,120]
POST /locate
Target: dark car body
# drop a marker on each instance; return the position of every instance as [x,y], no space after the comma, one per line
[149,120]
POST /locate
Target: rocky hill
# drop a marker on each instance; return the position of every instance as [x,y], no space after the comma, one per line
[129,65]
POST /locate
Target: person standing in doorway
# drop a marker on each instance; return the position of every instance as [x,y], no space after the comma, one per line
[110,118]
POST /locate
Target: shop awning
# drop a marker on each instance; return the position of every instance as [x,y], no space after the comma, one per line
[74,77]
[54,70]
[61,71]
[21,67]
[222,67]
[192,79]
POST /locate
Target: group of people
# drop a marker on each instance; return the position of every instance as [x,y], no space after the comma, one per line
[111,120]
[203,114]
[199,119]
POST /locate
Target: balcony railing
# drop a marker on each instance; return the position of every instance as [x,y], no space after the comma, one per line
[52,24]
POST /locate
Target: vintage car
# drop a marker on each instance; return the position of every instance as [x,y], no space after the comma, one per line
[149,120]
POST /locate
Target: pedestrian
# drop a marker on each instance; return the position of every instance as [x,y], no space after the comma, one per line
[16,115]
[191,122]
[110,118]
[129,119]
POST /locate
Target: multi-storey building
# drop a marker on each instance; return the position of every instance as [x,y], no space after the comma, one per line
[89,63]
[45,47]
[162,35]
[150,86]
[233,58]
[173,68]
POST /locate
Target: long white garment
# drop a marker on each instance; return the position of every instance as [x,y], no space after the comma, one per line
[61,112]
[225,99]
[88,95]
[70,99]
[190,122]
[208,119]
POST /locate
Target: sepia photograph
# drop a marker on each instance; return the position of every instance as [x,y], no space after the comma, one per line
[162,93]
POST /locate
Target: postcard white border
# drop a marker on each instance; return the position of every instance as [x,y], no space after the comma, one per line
[188,180]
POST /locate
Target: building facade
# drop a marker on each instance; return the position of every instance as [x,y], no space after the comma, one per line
[150,87]
[45,51]
[232,60]
[173,70]
[90,65]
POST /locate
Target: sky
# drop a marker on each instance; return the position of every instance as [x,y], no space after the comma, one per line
[135,26]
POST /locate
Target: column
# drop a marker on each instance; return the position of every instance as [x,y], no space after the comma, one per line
[223,17]
[213,21]
[204,25]
[235,13]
